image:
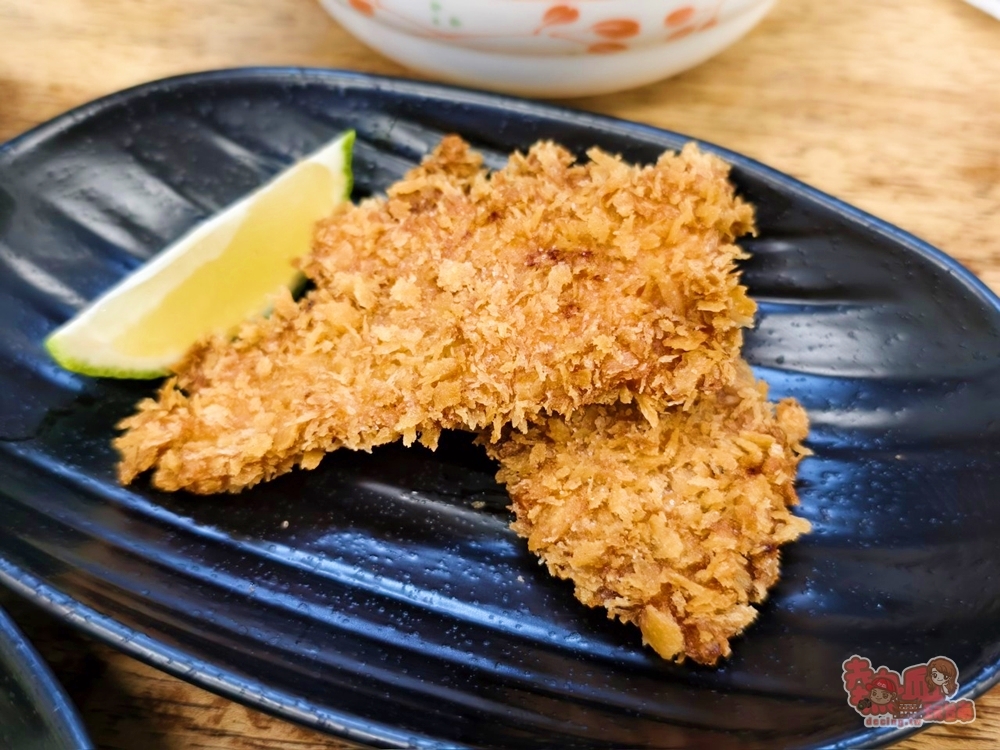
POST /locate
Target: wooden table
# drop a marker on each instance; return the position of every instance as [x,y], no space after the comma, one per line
[890,104]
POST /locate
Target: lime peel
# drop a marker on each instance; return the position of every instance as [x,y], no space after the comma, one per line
[217,275]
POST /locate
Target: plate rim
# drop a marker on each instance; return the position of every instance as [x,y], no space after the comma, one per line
[47,693]
[176,662]
[280,704]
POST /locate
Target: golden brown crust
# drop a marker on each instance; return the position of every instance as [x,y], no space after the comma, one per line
[466,300]
[672,525]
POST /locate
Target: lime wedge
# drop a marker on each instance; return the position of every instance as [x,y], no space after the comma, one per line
[222,272]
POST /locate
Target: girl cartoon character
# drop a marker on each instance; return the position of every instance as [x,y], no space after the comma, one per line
[941,674]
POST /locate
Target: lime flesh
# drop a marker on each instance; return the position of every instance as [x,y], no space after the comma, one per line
[210,280]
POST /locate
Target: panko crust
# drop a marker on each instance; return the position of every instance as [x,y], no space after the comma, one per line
[672,523]
[470,300]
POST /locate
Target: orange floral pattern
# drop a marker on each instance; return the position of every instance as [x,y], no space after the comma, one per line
[617,28]
[363,7]
[680,16]
[603,48]
[560,20]
[560,14]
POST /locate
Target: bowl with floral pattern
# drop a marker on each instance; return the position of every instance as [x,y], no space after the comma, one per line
[549,48]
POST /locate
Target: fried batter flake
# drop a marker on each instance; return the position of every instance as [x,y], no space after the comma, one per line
[466,300]
[674,524]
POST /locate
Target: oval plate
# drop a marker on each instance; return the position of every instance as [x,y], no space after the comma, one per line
[382,597]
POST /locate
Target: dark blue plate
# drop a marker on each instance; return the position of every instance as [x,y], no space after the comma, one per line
[383,598]
[35,713]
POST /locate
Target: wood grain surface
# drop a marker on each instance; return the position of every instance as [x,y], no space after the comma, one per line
[892,105]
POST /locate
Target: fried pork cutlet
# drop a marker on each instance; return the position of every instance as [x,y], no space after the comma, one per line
[466,300]
[672,525]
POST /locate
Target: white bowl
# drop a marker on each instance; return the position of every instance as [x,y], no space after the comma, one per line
[549,48]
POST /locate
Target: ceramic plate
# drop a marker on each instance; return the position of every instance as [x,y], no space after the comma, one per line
[382,597]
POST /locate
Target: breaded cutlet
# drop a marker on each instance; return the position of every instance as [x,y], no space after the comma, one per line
[470,300]
[672,525]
